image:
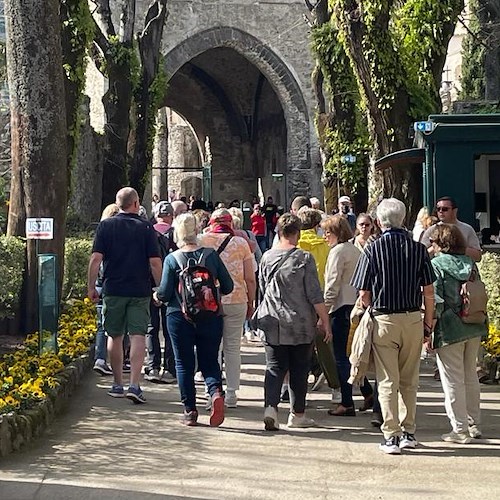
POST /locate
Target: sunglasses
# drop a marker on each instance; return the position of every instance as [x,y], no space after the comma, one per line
[443,209]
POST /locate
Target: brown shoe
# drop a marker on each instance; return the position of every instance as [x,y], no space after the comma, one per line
[342,411]
[367,404]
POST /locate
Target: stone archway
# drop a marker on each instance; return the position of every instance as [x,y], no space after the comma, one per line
[298,172]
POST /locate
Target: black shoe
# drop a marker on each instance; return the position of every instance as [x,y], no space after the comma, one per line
[285,397]
[377,420]
[408,441]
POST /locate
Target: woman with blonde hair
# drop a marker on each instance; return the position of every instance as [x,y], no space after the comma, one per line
[205,334]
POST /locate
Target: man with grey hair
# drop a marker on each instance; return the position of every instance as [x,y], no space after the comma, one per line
[128,248]
[391,275]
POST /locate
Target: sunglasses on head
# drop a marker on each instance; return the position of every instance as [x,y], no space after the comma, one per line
[443,209]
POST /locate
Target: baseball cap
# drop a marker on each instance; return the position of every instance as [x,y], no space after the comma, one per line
[344,199]
[163,208]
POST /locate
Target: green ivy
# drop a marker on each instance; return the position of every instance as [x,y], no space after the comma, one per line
[125,56]
[473,75]
[12,258]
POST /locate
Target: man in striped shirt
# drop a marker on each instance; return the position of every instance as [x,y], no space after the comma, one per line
[391,275]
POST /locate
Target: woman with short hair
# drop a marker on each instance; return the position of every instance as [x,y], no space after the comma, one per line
[456,342]
[205,334]
[287,318]
[340,297]
[364,229]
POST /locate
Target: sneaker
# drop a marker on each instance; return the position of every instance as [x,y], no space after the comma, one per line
[300,422]
[217,410]
[153,375]
[126,367]
[116,391]
[318,382]
[198,378]
[377,420]
[408,441]
[231,400]
[135,394]
[189,418]
[390,446]
[475,432]
[167,378]
[456,437]
[102,368]
[336,396]
[271,419]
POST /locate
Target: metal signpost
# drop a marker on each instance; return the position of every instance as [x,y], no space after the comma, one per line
[42,228]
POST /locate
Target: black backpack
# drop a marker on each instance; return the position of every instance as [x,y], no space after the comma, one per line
[166,243]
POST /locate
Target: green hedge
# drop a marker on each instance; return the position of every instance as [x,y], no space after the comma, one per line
[12,253]
[77,256]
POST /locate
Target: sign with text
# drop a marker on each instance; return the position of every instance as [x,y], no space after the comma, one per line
[39,228]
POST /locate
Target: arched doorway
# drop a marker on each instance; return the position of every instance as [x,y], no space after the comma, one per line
[236,91]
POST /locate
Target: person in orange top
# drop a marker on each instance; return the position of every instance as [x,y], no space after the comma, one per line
[239,304]
[258,226]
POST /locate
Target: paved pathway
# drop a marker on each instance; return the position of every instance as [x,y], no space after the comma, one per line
[104,448]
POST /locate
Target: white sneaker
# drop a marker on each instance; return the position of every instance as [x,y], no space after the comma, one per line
[102,368]
[231,400]
[271,419]
[390,446]
[300,422]
[318,382]
[456,437]
[153,375]
[408,441]
[198,378]
[475,432]
[167,378]
[336,396]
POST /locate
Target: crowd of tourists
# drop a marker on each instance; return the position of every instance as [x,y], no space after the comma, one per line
[333,296]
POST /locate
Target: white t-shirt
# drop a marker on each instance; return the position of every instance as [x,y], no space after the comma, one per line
[467,231]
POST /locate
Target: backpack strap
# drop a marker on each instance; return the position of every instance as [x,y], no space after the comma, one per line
[224,244]
[205,252]
[180,258]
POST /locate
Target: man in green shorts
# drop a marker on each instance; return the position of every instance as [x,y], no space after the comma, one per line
[127,246]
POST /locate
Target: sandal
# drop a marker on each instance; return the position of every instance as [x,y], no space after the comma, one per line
[342,411]
[367,404]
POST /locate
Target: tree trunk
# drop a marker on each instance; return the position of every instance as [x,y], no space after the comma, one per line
[146,107]
[39,146]
[159,178]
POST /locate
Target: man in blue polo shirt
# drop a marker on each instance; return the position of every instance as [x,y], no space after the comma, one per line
[128,248]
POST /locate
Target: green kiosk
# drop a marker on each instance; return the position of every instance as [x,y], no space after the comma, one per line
[460,157]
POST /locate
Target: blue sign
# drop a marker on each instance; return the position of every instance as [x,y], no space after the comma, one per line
[423,126]
[348,159]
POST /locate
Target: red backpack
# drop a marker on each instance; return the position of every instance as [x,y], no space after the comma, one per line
[197,292]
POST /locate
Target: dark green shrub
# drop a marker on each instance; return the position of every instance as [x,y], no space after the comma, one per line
[76,258]
[12,256]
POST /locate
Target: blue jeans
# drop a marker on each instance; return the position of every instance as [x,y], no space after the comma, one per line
[153,347]
[206,336]
[262,241]
[340,329]
[101,340]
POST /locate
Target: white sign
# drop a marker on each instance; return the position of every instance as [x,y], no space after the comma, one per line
[39,228]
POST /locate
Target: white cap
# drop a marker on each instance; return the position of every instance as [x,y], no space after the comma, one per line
[344,199]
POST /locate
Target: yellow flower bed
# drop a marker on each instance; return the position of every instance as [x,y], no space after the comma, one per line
[27,378]
[492,343]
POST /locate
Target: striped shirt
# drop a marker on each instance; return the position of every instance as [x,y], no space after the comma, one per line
[394,268]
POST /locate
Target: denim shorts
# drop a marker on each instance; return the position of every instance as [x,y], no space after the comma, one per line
[123,315]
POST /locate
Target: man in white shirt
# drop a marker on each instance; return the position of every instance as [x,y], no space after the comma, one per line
[446,209]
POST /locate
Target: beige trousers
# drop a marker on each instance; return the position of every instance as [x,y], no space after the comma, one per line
[397,343]
[462,393]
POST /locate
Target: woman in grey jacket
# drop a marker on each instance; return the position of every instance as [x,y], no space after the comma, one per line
[287,318]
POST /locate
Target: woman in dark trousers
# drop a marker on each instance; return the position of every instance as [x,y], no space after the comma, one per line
[287,318]
[206,334]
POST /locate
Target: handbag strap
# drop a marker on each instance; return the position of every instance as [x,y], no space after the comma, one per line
[224,244]
[277,268]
